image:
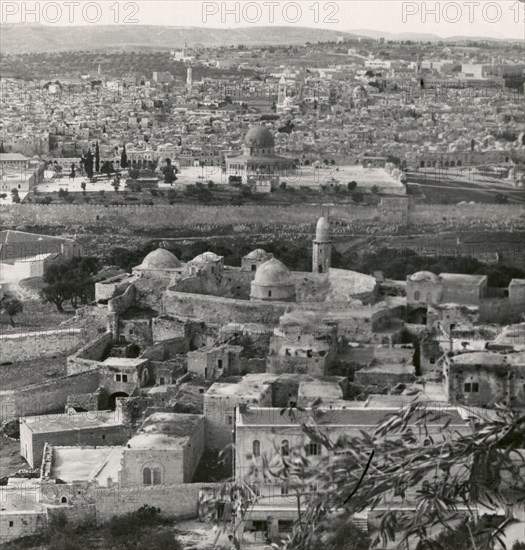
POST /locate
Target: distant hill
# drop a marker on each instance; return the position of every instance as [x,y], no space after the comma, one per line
[423,37]
[25,38]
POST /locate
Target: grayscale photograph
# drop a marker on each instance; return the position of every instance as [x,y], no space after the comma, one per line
[262,275]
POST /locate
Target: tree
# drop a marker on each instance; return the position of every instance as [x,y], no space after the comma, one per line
[124,158]
[12,307]
[375,190]
[15,197]
[500,198]
[88,164]
[83,187]
[443,477]
[97,157]
[116,183]
[169,172]
[69,280]
[352,185]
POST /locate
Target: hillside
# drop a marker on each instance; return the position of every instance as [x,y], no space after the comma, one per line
[41,38]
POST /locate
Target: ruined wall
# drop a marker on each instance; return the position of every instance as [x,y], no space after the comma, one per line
[36,345]
[167,349]
[47,397]
[87,357]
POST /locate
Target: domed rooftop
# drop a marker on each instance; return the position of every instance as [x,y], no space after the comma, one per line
[160,259]
[322,232]
[259,136]
[272,273]
[422,276]
[258,254]
[359,91]
[205,257]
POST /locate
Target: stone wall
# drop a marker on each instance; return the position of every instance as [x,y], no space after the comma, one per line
[120,217]
[24,523]
[88,356]
[48,397]
[215,310]
[36,345]
[167,349]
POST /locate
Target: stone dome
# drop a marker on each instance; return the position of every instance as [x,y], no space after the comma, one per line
[258,254]
[259,137]
[205,257]
[424,276]
[360,92]
[322,232]
[160,259]
[272,273]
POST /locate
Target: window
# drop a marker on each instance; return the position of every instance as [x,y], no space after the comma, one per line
[151,475]
[124,378]
[475,387]
[219,364]
[118,377]
[312,449]
[230,420]
[103,437]
[63,500]
[432,360]
[285,447]
[11,523]
[256,448]
[269,294]
[161,381]
[284,490]
[254,267]
[416,295]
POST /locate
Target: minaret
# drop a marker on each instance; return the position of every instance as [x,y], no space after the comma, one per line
[322,249]
[282,91]
[189,79]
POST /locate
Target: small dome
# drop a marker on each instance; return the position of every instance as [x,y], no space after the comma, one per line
[272,273]
[322,232]
[205,258]
[359,91]
[160,259]
[258,254]
[259,137]
[422,276]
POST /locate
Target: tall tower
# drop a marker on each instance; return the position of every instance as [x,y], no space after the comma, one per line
[189,79]
[282,91]
[322,249]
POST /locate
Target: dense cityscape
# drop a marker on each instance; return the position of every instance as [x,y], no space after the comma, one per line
[261,288]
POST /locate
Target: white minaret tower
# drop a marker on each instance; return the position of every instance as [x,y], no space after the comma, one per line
[322,249]
[282,91]
[189,79]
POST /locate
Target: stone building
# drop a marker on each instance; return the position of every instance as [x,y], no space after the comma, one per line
[211,362]
[272,282]
[485,378]
[259,158]
[97,428]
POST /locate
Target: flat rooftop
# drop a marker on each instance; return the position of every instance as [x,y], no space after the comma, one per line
[489,358]
[123,362]
[252,386]
[165,430]
[461,278]
[320,388]
[350,416]
[82,463]
[51,423]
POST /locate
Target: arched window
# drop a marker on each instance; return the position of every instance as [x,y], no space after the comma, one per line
[151,475]
[256,447]
[63,500]
[285,447]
